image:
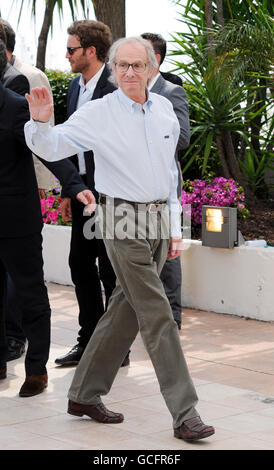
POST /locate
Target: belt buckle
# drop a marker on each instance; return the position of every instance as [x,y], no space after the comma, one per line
[153,207]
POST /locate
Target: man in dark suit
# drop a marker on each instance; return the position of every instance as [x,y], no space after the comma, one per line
[87,48]
[65,171]
[165,85]
[10,76]
[159,46]
[21,240]
[14,80]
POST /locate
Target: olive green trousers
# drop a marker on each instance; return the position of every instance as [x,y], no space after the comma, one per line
[138,303]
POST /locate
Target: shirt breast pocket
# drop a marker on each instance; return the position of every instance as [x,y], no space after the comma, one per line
[168,144]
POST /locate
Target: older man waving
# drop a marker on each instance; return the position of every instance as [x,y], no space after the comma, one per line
[133,135]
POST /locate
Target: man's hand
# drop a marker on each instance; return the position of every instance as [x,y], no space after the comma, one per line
[175,248]
[65,209]
[40,104]
[42,193]
[88,199]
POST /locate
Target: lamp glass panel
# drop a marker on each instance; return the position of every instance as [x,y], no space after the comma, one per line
[214,220]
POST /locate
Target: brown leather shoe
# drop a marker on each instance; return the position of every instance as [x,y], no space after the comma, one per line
[33,385]
[193,429]
[97,412]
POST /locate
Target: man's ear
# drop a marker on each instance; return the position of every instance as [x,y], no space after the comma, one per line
[92,50]
[158,58]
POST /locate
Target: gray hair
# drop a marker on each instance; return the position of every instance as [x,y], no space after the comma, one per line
[152,61]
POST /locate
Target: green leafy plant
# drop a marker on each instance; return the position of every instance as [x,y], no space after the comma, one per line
[226,74]
[59,82]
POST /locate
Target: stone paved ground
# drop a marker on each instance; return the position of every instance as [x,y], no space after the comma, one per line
[231,361]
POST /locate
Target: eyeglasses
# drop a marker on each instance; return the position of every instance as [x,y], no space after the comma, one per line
[138,67]
[72,49]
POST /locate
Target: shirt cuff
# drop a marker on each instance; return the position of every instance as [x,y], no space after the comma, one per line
[175,226]
[175,210]
[40,125]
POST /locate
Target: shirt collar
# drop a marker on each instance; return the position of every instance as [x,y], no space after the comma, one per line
[90,85]
[130,104]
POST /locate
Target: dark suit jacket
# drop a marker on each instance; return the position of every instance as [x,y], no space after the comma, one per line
[68,176]
[171,77]
[14,80]
[177,96]
[103,87]
[20,209]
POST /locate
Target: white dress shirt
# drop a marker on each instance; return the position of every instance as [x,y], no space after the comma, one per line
[85,94]
[133,147]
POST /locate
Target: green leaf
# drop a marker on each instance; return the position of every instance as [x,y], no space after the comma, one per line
[207,150]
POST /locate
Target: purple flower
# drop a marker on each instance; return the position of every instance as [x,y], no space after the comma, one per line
[220,192]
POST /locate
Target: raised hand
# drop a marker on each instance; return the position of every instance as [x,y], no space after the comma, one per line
[40,104]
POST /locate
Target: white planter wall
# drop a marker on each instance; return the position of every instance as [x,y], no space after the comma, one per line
[238,281]
[56,243]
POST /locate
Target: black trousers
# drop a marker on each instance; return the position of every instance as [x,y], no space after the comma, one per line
[22,259]
[87,275]
[3,339]
[171,277]
[13,314]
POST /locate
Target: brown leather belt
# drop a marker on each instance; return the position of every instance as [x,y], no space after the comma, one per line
[153,206]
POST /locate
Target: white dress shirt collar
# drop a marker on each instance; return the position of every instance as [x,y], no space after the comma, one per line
[91,84]
[132,105]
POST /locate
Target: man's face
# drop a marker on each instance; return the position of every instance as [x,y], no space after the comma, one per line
[132,83]
[78,59]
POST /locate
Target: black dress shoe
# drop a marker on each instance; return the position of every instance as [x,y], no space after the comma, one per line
[179,324]
[72,357]
[126,361]
[15,349]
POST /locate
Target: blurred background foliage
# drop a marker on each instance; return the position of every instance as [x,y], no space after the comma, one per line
[225,60]
[59,82]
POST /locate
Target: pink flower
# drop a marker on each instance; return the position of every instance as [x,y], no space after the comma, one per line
[43,206]
[50,201]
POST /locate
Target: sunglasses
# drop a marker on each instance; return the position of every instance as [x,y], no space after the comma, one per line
[72,49]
